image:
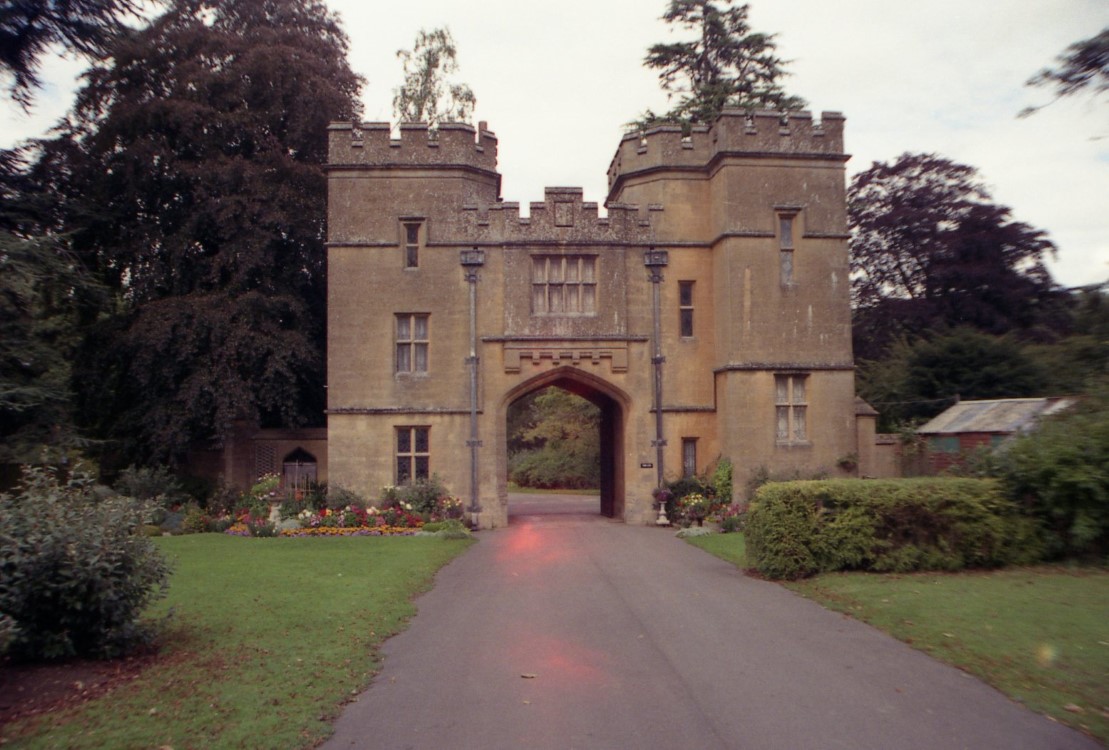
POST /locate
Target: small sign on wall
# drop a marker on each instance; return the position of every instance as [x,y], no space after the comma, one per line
[646,466]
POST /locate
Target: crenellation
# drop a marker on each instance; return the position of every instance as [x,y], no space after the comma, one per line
[735,133]
[563,217]
[452,144]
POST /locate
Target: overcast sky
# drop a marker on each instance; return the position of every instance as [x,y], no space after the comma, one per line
[556,81]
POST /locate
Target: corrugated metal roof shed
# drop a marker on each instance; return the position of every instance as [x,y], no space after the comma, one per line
[1001,416]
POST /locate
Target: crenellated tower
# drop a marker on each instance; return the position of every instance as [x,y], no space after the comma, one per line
[755,221]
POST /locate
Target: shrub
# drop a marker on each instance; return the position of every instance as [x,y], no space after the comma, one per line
[195,521]
[722,480]
[733,518]
[9,631]
[796,529]
[340,497]
[155,483]
[1060,474]
[75,573]
[422,495]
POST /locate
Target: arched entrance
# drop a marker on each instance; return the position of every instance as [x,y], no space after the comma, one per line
[611,402]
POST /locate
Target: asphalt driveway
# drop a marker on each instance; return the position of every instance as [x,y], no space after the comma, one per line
[569,630]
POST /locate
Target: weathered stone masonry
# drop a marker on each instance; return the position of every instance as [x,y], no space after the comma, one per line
[754,304]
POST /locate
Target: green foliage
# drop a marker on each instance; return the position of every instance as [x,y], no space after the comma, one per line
[797,529]
[74,574]
[733,518]
[195,521]
[28,30]
[419,495]
[1060,474]
[426,94]
[725,64]
[555,441]
[45,295]
[722,479]
[451,528]
[918,380]
[930,250]
[189,175]
[340,497]
[761,475]
[154,483]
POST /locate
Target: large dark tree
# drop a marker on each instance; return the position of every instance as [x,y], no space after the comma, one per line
[28,28]
[930,251]
[191,172]
[726,64]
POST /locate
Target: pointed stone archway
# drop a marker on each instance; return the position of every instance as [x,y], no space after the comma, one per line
[613,404]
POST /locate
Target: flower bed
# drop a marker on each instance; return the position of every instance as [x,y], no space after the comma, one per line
[351,531]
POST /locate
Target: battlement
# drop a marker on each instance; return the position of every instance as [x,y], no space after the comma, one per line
[735,132]
[451,144]
[563,216]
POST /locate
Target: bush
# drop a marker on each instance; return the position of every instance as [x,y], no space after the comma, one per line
[722,480]
[733,518]
[1060,474]
[421,495]
[75,571]
[155,483]
[340,497]
[195,521]
[797,529]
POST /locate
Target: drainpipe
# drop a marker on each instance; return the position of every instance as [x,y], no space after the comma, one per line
[472,260]
[655,261]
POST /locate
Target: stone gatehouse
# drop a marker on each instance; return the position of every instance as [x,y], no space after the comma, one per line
[707,314]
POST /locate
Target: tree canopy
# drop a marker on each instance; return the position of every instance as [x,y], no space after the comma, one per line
[190,174]
[930,251]
[1083,66]
[28,28]
[919,379]
[725,65]
[554,441]
[427,94]
[45,294]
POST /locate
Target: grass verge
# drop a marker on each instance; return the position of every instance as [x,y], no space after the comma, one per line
[1040,634]
[268,638]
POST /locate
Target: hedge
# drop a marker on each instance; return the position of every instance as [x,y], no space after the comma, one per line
[798,529]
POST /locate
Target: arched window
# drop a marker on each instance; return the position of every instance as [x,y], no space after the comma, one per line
[298,469]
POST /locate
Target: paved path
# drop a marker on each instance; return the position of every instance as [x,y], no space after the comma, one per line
[574,631]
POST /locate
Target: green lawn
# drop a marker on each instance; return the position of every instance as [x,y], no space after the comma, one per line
[267,639]
[1040,635]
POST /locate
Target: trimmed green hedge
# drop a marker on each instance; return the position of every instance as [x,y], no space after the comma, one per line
[798,529]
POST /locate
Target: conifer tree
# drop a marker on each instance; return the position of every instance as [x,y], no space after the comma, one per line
[725,65]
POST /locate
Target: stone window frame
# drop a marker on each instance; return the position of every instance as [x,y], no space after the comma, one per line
[791,405]
[412,240]
[787,243]
[412,455]
[685,309]
[411,345]
[689,456]
[563,284]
